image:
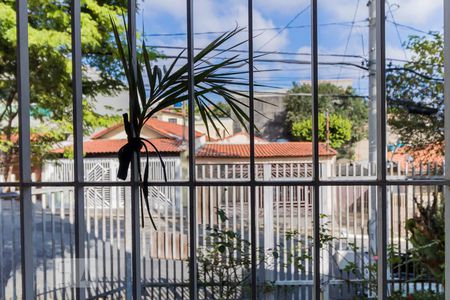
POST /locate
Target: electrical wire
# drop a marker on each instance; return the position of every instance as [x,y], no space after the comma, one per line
[345,23]
[350,33]
[409,27]
[396,29]
[264,52]
[286,26]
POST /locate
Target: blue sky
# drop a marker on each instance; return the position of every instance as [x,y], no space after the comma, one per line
[336,33]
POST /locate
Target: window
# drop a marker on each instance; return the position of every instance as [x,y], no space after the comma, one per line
[284,212]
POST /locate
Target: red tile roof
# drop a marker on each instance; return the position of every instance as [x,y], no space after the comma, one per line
[170,129]
[433,153]
[102,132]
[112,146]
[246,135]
[269,150]
[172,111]
[167,129]
[288,149]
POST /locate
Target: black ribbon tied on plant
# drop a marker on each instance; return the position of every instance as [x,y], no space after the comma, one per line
[126,153]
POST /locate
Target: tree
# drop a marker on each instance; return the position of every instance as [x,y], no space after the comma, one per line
[427,235]
[335,100]
[340,130]
[220,109]
[50,70]
[415,93]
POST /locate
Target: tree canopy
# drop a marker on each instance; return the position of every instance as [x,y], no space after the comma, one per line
[50,67]
[342,104]
[415,92]
[340,130]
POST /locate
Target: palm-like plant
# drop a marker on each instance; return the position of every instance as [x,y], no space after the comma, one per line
[169,86]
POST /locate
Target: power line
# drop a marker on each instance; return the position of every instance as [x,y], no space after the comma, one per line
[295,62]
[410,27]
[262,52]
[271,93]
[287,53]
[286,26]
[350,33]
[170,34]
[396,29]
[344,64]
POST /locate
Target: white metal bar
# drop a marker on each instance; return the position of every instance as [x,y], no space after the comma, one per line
[13,222]
[52,222]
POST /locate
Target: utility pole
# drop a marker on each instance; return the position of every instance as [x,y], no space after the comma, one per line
[372,123]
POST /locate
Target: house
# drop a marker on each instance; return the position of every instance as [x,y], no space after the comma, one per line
[423,160]
[236,148]
[170,139]
[177,116]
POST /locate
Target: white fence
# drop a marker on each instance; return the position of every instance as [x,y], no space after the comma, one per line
[282,210]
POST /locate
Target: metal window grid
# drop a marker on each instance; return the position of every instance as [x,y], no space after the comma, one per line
[381,182]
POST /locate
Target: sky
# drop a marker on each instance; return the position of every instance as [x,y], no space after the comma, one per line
[283,26]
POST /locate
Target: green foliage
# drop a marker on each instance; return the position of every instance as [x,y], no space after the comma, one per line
[51,69]
[419,295]
[427,235]
[340,130]
[332,98]
[416,92]
[220,109]
[224,263]
[169,86]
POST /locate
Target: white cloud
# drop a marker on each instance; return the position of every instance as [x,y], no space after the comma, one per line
[419,12]
[426,13]
[173,8]
[211,15]
[343,10]
[215,15]
[285,7]
[397,52]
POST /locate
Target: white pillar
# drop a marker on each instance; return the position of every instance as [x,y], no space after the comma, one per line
[268,229]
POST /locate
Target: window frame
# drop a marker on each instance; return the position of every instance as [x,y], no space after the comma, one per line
[25,183]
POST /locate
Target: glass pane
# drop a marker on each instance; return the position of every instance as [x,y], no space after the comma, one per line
[223,120]
[282,77]
[286,241]
[108,236]
[10,245]
[348,237]
[9,160]
[105,93]
[54,241]
[224,248]
[165,250]
[415,90]
[50,88]
[347,110]
[416,241]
